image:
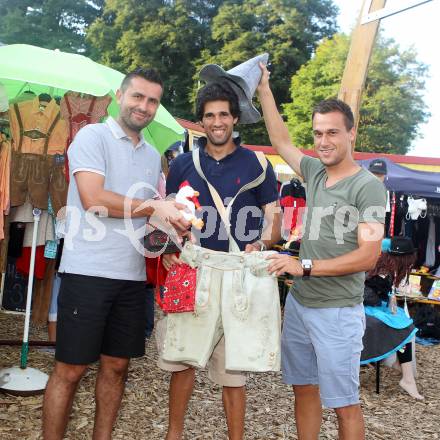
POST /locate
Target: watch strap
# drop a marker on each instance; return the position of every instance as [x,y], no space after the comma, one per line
[306,272]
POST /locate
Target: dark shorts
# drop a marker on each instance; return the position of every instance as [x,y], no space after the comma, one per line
[100,316]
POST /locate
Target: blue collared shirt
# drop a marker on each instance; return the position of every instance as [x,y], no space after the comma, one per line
[227,175]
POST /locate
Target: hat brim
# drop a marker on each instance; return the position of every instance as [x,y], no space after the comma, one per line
[212,73]
[403,252]
[378,171]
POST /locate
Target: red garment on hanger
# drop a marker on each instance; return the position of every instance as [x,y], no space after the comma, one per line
[79,110]
[291,210]
[22,263]
[393,214]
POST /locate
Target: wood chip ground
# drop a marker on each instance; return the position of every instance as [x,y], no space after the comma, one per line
[390,415]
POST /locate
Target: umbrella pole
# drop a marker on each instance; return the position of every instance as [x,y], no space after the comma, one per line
[24,380]
[25,345]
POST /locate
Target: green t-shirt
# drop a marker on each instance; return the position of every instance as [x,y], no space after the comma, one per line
[330,227]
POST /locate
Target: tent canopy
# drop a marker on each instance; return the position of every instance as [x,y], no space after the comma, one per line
[408,181]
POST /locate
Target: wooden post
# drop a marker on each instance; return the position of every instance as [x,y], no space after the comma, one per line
[356,66]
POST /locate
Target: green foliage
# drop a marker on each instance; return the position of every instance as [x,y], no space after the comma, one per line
[177,37]
[180,36]
[54,24]
[155,33]
[288,30]
[392,103]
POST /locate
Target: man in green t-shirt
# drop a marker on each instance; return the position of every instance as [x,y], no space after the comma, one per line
[324,319]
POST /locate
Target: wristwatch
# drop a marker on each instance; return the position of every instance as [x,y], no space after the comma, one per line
[307,268]
[261,244]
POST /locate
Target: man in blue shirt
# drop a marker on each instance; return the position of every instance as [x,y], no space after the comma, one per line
[227,166]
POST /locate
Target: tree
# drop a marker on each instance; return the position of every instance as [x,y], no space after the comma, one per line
[164,34]
[179,36]
[392,103]
[53,24]
[289,30]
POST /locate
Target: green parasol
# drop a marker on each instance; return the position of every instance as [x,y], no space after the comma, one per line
[25,67]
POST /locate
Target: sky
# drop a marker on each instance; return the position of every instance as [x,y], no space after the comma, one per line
[418,27]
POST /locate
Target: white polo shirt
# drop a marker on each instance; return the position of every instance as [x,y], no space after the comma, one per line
[103,246]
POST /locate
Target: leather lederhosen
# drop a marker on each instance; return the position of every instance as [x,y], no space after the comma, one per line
[58,184]
[36,175]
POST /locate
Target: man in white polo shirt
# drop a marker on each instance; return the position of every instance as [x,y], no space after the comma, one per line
[102,299]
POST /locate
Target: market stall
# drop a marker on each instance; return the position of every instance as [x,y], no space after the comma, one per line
[46,97]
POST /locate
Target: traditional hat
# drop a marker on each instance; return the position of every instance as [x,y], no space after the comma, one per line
[401,246]
[243,79]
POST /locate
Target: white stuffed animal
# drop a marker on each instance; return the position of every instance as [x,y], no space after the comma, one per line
[188,196]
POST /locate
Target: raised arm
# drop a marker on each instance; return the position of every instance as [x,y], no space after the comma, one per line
[277,129]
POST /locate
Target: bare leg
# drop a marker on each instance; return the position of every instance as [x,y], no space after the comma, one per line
[408,383]
[181,388]
[351,423]
[110,385]
[58,398]
[234,402]
[396,365]
[308,411]
[52,331]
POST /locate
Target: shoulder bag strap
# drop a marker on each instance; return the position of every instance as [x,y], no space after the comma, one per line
[49,132]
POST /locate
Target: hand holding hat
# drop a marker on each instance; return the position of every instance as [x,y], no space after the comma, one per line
[264,81]
[243,79]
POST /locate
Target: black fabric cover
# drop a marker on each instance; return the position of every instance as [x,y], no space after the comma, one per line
[16,238]
[379,339]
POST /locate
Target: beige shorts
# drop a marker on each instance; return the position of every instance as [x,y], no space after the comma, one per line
[215,366]
[235,297]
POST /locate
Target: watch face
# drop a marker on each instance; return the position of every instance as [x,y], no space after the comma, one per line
[306,263]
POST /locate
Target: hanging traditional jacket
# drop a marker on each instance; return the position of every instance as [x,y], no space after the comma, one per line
[37,165]
[79,110]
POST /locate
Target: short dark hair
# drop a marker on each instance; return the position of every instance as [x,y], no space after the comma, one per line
[217,92]
[151,75]
[335,105]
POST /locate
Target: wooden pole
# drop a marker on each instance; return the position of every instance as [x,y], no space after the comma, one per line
[358,59]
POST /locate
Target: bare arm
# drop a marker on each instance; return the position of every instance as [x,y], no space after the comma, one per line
[360,260]
[272,232]
[276,128]
[92,194]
